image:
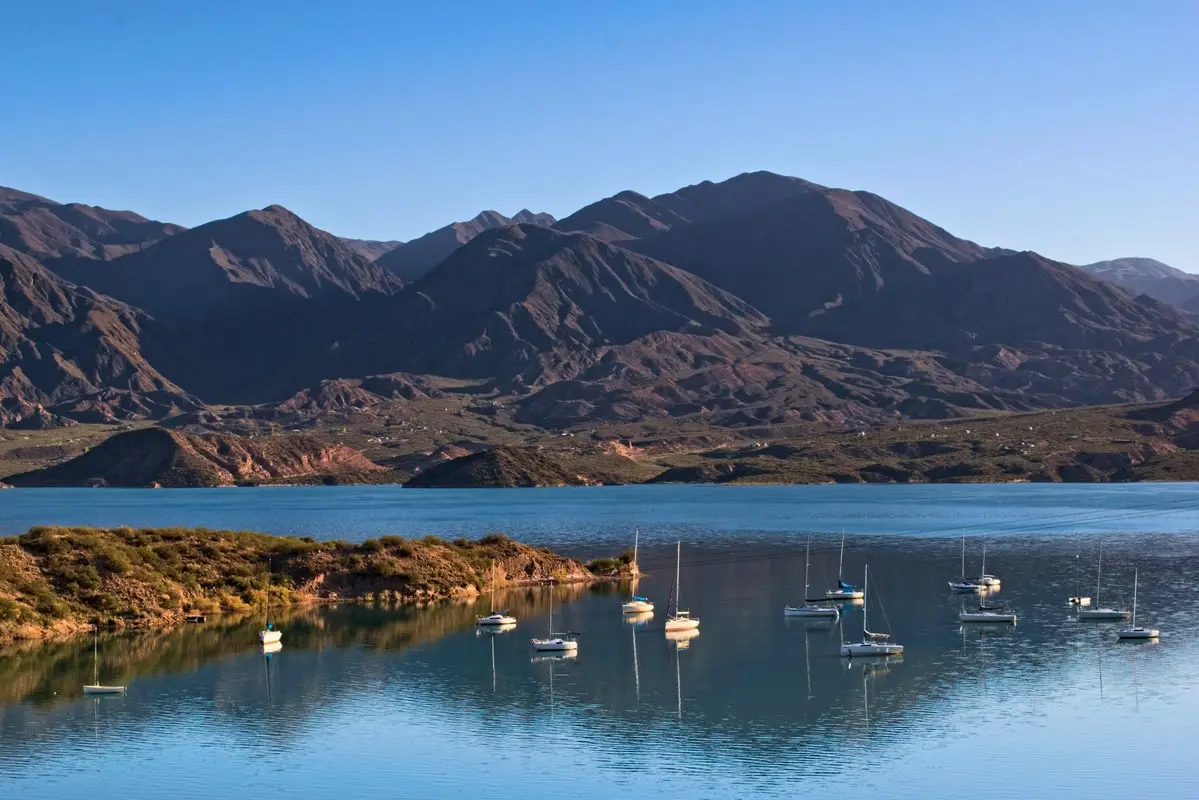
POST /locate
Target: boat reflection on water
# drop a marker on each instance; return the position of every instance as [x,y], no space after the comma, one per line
[638,620]
[682,639]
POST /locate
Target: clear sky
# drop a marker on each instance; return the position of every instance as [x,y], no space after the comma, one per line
[1066,127]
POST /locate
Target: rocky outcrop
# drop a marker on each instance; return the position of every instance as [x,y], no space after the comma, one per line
[167,458]
[500,467]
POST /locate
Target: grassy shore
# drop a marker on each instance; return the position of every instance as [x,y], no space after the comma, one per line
[58,581]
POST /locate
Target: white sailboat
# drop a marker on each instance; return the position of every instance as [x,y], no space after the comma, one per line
[989,581]
[269,635]
[809,609]
[95,687]
[1134,632]
[844,591]
[986,612]
[680,620]
[1100,612]
[555,642]
[872,644]
[635,604]
[962,585]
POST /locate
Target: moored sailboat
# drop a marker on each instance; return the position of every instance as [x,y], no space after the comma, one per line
[555,642]
[680,620]
[95,687]
[872,644]
[1133,631]
[844,591]
[269,635]
[1099,612]
[636,604]
[962,585]
[809,609]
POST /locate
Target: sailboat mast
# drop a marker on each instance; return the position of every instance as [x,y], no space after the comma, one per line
[96,658]
[841,560]
[984,570]
[865,605]
[963,558]
[806,567]
[1099,577]
[678,567]
[1134,598]
[551,631]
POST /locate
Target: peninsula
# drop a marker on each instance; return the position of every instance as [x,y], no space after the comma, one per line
[60,581]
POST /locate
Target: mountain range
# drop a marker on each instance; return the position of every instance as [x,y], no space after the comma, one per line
[761,299]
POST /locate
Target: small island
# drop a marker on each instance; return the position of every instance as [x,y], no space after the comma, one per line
[61,581]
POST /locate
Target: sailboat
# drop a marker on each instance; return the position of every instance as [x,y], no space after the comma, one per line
[680,620]
[635,604]
[496,619]
[989,581]
[962,585]
[555,642]
[1099,612]
[810,609]
[95,687]
[844,591]
[269,635]
[872,644]
[989,612]
[1134,632]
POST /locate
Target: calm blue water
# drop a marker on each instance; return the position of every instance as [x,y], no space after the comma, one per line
[414,703]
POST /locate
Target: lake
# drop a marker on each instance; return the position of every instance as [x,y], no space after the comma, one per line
[417,703]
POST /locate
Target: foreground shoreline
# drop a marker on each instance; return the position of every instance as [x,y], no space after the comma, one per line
[62,581]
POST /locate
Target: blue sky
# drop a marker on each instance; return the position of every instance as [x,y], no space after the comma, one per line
[1070,128]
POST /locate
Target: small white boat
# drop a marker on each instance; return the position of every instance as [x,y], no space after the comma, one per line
[496,619]
[680,620]
[809,609]
[273,647]
[872,644]
[555,642]
[635,604]
[844,591]
[1080,601]
[269,635]
[1134,632]
[1100,612]
[95,687]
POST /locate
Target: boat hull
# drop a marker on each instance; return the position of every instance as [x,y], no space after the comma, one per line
[1080,601]
[983,617]
[681,624]
[859,649]
[812,612]
[269,637]
[989,581]
[1138,633]
[637,607]
[495,621]
[1103,614]
[555,645]
[103,689]
[837,594]
[966,588]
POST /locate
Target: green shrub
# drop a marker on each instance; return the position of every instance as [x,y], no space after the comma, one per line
[432,539]
[494,539]
[392,541]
